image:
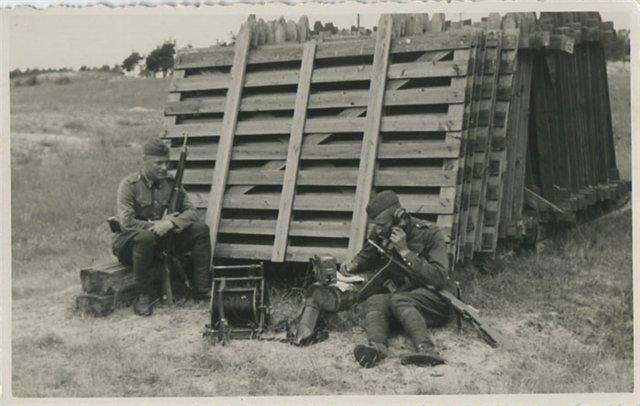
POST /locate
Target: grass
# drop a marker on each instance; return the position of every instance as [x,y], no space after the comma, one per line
[566,309]
[579,282]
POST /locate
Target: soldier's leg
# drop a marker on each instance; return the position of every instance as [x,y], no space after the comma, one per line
[377,315]
[140,252]
[196,239]
[416,311]
[376,321]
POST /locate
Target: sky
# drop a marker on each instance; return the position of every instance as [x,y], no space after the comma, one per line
[94,36]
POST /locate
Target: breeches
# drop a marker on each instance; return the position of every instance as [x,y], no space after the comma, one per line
[415,310]
[141,249]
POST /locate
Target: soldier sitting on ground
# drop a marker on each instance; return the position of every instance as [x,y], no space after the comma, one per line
[422,248]
[142,200]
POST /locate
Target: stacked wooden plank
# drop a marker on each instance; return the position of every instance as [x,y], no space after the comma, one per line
[292,165]
[289,139]
[570,159]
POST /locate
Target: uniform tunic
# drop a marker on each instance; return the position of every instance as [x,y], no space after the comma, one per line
[139,202]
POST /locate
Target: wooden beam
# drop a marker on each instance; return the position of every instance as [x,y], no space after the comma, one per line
[481,161]
[499,158]
[475,88]
[227,133]
[275,150]
[387,177]
[263,252]
[538,202]
[218,57]
[371,134]
[406,70]
[342,202]
[293,155]
[299,228]
[320,100]
[526,67]
[427,122]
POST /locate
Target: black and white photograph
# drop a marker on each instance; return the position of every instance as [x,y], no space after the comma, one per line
[318,203]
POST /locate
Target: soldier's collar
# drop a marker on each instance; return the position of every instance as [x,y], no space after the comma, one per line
[148,183]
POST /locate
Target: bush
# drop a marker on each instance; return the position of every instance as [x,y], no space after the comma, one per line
[31,81]
[64,80]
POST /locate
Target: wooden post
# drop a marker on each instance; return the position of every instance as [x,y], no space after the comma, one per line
[293,154]
[227,132]
[371,136]
[474,91]
[492,131]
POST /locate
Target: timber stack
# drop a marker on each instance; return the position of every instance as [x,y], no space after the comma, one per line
[479,127]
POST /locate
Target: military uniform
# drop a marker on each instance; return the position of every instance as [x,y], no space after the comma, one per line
[413,305]
[139,203]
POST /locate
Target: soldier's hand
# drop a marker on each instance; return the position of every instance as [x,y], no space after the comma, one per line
[344,268]
[398,239]
[162,227]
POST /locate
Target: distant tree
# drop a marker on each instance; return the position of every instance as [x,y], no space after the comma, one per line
[15,73]
[317,27]
[161,59]
[32,81]
[105,68]
[131,61]
[83,68]
[331,28]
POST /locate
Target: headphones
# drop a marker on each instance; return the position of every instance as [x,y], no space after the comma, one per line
[399,214]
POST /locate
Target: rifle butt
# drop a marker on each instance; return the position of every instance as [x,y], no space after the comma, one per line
[166,284]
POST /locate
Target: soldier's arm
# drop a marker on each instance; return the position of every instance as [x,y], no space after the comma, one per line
[365,259]
[432,264]
[188,213]
[126,208]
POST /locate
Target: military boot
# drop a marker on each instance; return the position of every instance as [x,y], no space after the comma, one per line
[368,355]
[424,356]
[202,295]
[143,306]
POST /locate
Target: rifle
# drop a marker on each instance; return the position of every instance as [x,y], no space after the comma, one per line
[168,253]
[466,311]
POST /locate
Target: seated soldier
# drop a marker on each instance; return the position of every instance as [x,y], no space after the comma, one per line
[143,198]
[422,248]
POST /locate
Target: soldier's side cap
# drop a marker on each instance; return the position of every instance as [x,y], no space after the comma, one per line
[155,147]
[380,202]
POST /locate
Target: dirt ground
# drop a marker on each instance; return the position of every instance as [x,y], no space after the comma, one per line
[130,355]
[176,333]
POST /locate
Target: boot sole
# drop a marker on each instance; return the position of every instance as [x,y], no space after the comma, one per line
[421,360]
[366,356]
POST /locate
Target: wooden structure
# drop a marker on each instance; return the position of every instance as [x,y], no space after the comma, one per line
[106,287]
[473,125]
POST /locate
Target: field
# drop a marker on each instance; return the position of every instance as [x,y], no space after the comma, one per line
[566,308]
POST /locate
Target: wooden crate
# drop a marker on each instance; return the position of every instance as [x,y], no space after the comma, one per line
[105,288]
